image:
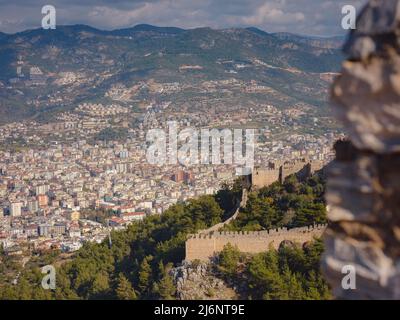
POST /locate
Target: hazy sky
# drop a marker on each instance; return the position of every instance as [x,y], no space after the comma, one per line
[313,17]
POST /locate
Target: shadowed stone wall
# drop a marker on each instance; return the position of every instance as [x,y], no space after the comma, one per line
[264,177]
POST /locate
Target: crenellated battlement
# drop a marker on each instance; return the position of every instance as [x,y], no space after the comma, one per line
[279,171]
[264,233]
[206,243]
[202,245]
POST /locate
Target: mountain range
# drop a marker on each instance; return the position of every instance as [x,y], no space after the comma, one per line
[36,62]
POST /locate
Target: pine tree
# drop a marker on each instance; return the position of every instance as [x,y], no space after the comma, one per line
[293,285]
[24,289]
[145,275]
[100,285]
[228,260]
[124,289]
[165,288]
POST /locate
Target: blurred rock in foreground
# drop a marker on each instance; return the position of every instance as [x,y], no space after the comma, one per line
[363,191]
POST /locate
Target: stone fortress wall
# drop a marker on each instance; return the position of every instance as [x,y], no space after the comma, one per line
[279,171]
[206,243]
[218,226]
[203,246]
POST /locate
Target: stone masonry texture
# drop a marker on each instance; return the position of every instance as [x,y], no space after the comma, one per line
[364,181]
[204,246]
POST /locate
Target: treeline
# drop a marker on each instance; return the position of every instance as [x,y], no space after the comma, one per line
[291,204]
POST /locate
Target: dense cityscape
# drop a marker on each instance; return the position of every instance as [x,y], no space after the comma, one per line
[46,191]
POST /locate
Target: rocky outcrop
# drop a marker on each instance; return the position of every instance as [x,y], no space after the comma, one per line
[363,190]
[197,281]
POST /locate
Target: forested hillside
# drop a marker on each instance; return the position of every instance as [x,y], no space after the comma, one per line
[136,265]
[291,204]
[289,273]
